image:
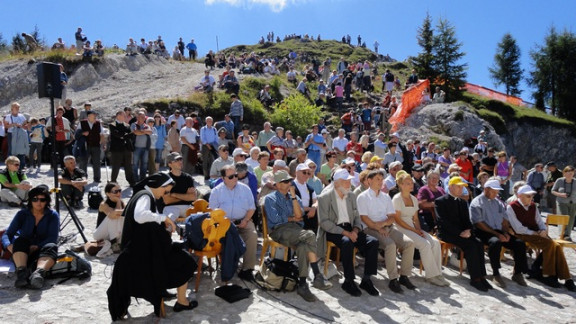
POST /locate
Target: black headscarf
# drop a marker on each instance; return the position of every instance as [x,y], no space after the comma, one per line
[156,180]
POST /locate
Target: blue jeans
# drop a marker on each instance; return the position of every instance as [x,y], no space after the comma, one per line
[140,163]
[236,121]
[315,156]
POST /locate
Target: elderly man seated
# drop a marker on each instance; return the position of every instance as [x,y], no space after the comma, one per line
[284,212]
[72,180]
[15,185]
[237,201]
[525,219]
[340,224]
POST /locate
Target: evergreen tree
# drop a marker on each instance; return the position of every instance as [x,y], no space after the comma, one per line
[554,74]
[506,69]
[18,44]
[447,54]
[423,62]
[2,43]
[36,34]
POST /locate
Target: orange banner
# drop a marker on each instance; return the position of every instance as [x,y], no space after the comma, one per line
[493,94]
[411,99]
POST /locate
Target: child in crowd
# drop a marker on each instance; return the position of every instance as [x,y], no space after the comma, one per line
[37,136]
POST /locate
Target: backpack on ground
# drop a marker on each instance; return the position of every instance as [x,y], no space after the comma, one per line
[95,198]
[277,275]
[70,265]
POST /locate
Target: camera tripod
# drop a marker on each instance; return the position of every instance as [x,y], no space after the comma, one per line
[71,217]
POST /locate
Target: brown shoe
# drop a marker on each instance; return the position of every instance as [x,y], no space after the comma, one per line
[519,279]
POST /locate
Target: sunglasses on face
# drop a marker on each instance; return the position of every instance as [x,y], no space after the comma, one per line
[305,173]
[16,164]
[37,199]
[117,191]
[232,176]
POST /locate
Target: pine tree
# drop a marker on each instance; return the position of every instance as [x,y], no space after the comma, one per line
[2,43]
[447,54]
[506,69]
[554,74]
[18,44]
[423,62]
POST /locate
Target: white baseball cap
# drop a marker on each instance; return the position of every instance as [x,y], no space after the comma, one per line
[302,167]
[342,174]
[526,190]
[493,184]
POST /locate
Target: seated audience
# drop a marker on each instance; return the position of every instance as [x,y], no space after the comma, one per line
[15,184]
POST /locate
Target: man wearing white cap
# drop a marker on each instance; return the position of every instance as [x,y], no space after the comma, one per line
[285,214]
[340,224]
[525,219]
[488,214]
[377,214]
[390,181]
[307,196]
[455,227]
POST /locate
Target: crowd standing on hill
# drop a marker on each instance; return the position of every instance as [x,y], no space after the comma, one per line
[367,188]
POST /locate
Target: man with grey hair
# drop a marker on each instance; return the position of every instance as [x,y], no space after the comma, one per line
[237,201]
[72,180]
[141,146]
[264,136]
[340,224]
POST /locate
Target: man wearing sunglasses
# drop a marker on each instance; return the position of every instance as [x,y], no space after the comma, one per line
[237,201]
[528,226]
[183,193]
[307,196]
[285,214]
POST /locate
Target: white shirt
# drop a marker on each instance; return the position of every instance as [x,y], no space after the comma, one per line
[304,193]
[142,213]
[252,163]
[390,182]
[376,207]
[180,121]
[518,227]
[340,143]
[189,133]
[342,210]
[19,119]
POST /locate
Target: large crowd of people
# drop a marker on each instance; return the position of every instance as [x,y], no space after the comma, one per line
[366,189]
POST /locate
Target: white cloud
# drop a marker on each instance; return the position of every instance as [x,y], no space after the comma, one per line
[275,5]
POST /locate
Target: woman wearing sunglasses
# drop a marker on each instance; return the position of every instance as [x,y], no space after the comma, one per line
[31,238]
[110,220]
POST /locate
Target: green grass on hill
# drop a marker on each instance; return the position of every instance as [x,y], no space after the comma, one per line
[498,113]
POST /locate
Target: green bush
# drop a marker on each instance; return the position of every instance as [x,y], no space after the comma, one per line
[295,113]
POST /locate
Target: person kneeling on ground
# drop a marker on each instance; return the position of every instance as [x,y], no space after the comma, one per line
[72,180]
[31,238]
[284,212]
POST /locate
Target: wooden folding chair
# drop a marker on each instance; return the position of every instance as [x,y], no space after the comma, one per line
[561,221]
[329,247]
[269,243]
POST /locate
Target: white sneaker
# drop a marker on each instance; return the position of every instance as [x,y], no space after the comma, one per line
[436,281]
[105,251]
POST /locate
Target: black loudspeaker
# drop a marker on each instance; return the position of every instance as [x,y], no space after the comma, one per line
[49,84]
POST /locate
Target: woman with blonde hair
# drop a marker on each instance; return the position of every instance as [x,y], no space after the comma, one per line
[406,206]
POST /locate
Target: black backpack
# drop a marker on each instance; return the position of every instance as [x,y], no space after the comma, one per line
[70,265]
[95,197]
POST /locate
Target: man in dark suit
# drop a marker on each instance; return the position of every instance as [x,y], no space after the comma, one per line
[340,224]
[121,148]
[455,227]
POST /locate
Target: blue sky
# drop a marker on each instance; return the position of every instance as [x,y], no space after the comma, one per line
[479,24]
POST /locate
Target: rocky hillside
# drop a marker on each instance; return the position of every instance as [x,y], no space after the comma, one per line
[112,83]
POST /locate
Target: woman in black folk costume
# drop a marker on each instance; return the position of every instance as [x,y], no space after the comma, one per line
[150,262]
